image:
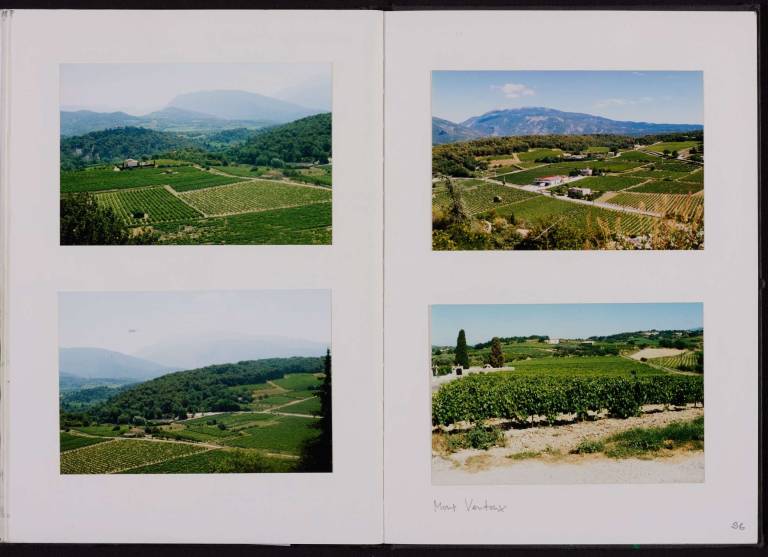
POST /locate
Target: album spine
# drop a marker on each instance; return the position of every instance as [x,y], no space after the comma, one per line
[6,17]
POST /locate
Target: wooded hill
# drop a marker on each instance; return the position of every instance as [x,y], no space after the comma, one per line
[305,140]
[208,389]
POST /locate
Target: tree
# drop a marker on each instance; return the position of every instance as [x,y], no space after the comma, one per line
[462,357]
[317,453]
[83,222]
[497,356]
[457,211]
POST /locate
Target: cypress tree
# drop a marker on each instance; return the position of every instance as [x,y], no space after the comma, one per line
[497,356]
[462,358]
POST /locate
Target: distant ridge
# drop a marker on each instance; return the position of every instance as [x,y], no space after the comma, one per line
[89,363]
[544,121]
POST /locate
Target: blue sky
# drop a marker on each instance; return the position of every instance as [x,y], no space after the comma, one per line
[642,96]
[483,322]
[128,321]
[141,88]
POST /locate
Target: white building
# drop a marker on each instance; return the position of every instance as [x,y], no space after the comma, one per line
[546,181]
[130,163]
[579,192]
[553,341]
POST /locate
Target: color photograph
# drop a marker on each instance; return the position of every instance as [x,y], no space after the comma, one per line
[567,160]
[205,154]
[567,394]
[195,382]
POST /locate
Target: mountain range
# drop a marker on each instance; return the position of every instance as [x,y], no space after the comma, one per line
[203,111]
[543,121]
[180,354]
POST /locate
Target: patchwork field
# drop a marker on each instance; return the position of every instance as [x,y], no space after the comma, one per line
[191,205]
[268,437]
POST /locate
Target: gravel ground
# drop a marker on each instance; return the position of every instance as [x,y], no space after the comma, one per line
[473,466]
[683,468]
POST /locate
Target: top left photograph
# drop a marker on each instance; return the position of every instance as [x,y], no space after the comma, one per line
[200,154]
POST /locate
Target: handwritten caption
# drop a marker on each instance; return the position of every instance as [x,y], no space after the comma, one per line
[469,506]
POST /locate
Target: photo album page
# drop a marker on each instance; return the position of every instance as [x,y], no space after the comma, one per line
[194,278]
[366,277]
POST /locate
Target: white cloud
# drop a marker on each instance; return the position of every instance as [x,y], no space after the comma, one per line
[622,102]
[514,90]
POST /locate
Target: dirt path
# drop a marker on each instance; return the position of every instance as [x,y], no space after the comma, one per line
[682,468]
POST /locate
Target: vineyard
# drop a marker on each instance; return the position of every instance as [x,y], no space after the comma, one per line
[268,434]
[583,216]
[121,454]
[663,204]
[186,204]
[480,196]
[609,183]
[664,186]
[477,398]
[180,178]
[686,360]
[146,205]
[253,195]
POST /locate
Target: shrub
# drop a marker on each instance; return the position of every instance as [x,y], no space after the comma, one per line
[479,397]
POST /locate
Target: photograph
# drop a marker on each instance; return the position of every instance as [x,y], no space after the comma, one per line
[201,154]
[567,394]
[197,382]
[567,160]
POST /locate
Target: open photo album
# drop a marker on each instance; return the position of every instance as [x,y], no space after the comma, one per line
[402,277]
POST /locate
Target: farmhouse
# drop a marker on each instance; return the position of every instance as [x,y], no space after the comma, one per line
[579,193]
[553,341]
[130,163]
[546,181]
[585,172]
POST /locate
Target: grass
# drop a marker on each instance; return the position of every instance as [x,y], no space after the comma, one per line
[68,442]
[286,436]
[583,366]
[672,146]
[253,195]
[663,186]
[104,430]
[298,381]
[100,179]
[309,224]
[608,183]
[651,441]
[307,406]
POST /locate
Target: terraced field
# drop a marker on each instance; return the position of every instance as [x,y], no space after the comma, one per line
[253,195]
[661,203]
[147,205]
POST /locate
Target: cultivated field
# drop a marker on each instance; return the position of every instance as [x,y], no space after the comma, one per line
[224,205]
[269,436]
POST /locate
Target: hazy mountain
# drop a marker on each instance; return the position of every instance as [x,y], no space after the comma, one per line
[546,121]
[444,131]
[241,105]
[84,121]
[100,363]
[189,353]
